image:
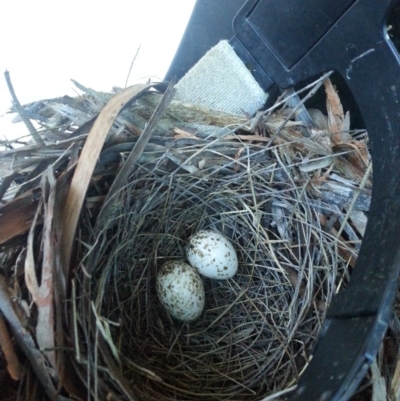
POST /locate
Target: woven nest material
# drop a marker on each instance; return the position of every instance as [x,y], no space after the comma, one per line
[257,329]
[292,206]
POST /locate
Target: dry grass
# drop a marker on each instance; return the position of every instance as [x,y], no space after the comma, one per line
[292,206]
[257,330]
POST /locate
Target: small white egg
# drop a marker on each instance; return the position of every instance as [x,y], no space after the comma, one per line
[212,254]
[180,290]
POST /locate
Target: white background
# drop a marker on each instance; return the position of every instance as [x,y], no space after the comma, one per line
[45,43]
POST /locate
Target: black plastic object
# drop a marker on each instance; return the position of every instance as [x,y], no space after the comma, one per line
[299,39]
[210,22]
[287,42]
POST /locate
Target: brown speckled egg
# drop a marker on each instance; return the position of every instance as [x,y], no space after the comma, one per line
[212,254]
[180,290]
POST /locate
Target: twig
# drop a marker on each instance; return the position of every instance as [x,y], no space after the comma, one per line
[36,137]
[316,85]
[130,68]
[27,344]
[259,115]
[303,115]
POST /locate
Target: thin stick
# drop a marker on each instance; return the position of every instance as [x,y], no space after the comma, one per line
[310,94]
[130,68]
[259,115]
[27,344]
[36,137]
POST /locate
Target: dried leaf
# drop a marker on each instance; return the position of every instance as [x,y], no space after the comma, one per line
[378,384]
[357,154]
[359,220]
[30,268]
[395,383]
[133,158]
[336,118]
[71,113]
[42,294]
[45,323]
[16,216]
[13,366]
[346,122]
[350,171]
[87,161]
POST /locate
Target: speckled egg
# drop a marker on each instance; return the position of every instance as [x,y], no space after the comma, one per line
[212,254]
[180,290]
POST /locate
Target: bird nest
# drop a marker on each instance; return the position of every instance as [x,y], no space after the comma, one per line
[291,199]
[257,329]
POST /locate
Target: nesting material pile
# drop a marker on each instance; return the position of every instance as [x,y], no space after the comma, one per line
[115,187]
